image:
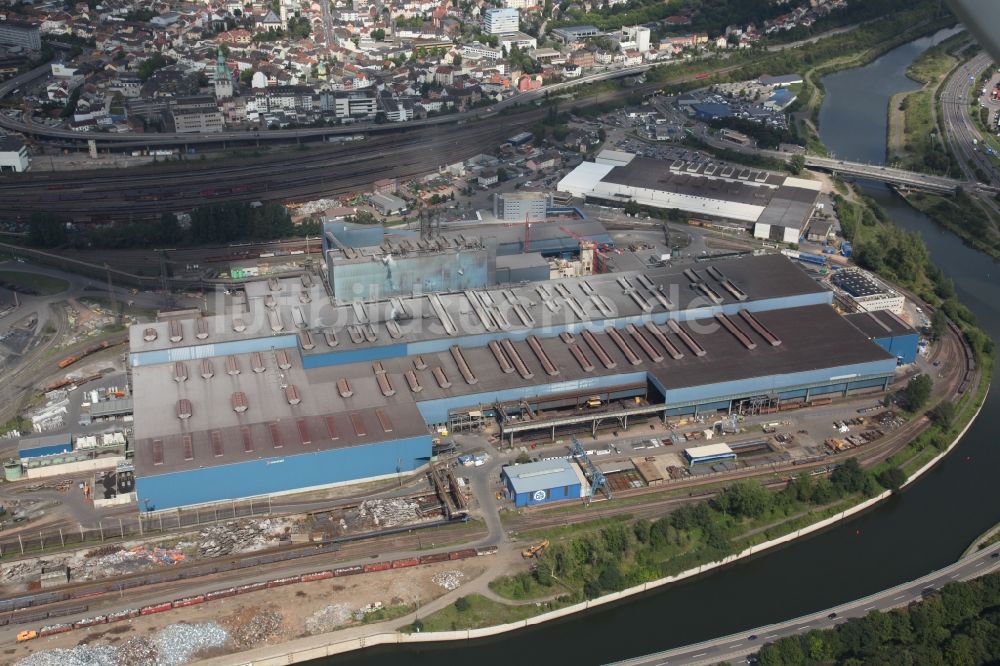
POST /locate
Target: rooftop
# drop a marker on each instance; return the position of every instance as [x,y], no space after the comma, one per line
[857,283]
[542,475]
[879,324]
[558,303]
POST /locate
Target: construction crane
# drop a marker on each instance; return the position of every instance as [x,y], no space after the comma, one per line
[536,550]
[600,249]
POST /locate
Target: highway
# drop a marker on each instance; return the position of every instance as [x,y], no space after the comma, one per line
[959,129]
[890,175]
[737,647]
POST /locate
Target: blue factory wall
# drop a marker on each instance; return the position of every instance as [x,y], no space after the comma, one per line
[52,450]
[436,411]
[542,496]
[212,350]
[282,473]
[903,347]
[830,377]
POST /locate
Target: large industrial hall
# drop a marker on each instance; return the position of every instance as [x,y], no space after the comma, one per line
[292,387]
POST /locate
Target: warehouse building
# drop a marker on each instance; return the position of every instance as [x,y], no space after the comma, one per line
[889,332]
[38,446]
[708,453]
[866,292]
[287,390]
[544,481]
[701,188]
[521,206]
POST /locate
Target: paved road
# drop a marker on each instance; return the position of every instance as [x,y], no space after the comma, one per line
[959,129]
[737,647]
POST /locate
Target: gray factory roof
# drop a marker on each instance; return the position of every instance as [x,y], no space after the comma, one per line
[756,189]
[857,283]
[811,337]
[518,308]
[524,260]
[879,324]
[542,475]
[38,441]
[789,207]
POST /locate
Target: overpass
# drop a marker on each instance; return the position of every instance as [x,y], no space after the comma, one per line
[890,175]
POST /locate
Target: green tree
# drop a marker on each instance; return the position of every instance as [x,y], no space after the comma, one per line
[849,476]
[46,230]
[745,498]
[939,324]
[892,478]
[918,391]
[151,64]
[944,414]
[168,230]
[796,164]
[462,604]
[378,34]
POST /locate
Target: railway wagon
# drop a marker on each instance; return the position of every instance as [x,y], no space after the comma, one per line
[407,562]
[378,566]
[316,575]
[250,587]
[53,629]
[90,621]
[348,571]
[220,594]
[278,582]
[124,614]
[155,608]
[462,554]
[30,616]
[189,601]
[487,550]
[434,557]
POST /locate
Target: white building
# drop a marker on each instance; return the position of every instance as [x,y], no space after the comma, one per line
[634,38]
[521,40]
[518,206]
[500,21]
[13,155]
[480,51]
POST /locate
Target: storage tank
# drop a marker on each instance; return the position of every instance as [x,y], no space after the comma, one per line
[12,470]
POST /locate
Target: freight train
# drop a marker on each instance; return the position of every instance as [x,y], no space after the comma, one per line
[196,600]
[92,349]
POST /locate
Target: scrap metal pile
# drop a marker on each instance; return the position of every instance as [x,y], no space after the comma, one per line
[175,645]
[392,512]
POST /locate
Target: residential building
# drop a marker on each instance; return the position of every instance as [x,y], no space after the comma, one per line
[13,155]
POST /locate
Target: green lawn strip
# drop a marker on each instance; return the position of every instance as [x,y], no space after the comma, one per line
[481,612]
[42,284]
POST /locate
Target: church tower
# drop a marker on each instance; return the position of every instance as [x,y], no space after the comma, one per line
[223,78]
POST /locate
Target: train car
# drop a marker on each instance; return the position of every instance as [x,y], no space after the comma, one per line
[462,554]
[250,587]
[68,361]
[53,629]
[189,601]
[487,550]
[155,608]
[220,594]
[378,566]
[90,621]
[30,616]
[404,563]
[816,402]
[290,580]
[316,575]
[434,557]
[124,614]
[348,571]
[73,610]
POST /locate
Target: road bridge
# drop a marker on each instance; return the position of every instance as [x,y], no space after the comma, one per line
[891,175]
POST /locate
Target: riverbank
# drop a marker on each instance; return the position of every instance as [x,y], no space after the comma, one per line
[968,219]
[316,647]
[914,135]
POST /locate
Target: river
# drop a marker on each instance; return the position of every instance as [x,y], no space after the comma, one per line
[926,527]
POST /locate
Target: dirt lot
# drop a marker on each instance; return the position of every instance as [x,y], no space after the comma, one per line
[276,615]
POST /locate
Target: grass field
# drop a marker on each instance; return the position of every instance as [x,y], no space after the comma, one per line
[33,282]
[481,612]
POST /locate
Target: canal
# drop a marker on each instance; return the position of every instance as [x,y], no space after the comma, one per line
[926,527]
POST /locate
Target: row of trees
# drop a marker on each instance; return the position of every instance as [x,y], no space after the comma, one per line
[958,626]
[621,555]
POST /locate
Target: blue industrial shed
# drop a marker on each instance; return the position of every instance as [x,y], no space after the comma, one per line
[889,332]
[544,481]
[278,474]
[45,445]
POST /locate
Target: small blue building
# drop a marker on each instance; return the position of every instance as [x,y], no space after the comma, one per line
[711,110]
[889,332]
[45,445]
[543,481]
[708,453]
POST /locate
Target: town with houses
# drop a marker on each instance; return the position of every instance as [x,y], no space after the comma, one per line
[197,67]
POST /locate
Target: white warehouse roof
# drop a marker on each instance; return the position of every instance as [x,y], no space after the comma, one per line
[708,451]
